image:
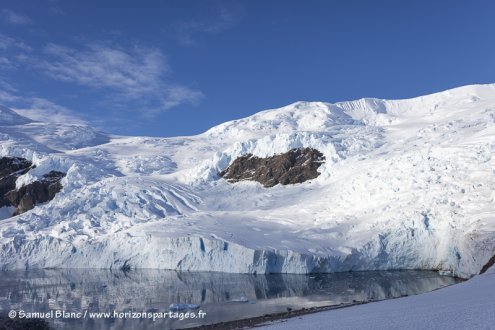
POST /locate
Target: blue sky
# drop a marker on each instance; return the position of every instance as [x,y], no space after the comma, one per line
[166,68]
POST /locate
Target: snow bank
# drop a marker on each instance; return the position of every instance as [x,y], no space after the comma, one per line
[469,305]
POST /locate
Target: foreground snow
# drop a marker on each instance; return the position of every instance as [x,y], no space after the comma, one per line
[469,305]
[407,184]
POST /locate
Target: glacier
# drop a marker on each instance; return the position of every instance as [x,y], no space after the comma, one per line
[407,184]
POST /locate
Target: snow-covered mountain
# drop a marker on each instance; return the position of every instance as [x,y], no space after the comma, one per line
[405,184]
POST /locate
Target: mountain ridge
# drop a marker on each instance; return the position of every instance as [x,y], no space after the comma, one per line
[406,184]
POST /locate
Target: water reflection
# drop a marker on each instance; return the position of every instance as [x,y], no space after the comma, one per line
[222,296]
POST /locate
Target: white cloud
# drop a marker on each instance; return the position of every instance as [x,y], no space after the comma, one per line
[36,108]
[135,73]
[11,43]
[179,94]
[134,78]
[6,96]
[131,71]
[10,51]
[7,93]
[15,18]
[56,11]
[5,62]
[224,18]
[40,109]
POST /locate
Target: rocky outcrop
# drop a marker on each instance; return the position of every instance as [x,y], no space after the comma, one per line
[487,266]
[44,190]
[10,169]
[294,166]
[26,197]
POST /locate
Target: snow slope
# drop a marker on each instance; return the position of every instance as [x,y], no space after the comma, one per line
[406,184]
[50,137]
[468,305]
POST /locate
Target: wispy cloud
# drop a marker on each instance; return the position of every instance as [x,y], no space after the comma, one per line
[8,43]
[15,18]
[10,51]
[179,94]
[5,62]
[7,93]
[133,78]
[7,97]
[40,109]
[224,18]
[133,72]
[56,11]
[136,73]
[36,108]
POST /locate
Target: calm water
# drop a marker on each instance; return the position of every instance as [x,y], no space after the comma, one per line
[221,296]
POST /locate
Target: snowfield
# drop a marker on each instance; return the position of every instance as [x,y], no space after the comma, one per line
[468,305]
[407,184]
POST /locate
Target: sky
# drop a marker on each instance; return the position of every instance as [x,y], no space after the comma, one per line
[173,68]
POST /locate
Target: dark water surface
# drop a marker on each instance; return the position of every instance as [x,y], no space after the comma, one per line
[222,296]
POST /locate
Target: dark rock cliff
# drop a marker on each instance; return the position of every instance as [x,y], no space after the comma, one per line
[10,169]
[294,166]
[26,197]
[44,190]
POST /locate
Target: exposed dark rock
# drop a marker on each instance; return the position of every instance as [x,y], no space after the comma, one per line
[44,190]
[26,197]
[294,166]
[12,165]
[10,169]
[6,184]
[487,266]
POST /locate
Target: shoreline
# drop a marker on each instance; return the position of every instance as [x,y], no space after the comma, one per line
[253,322]
[249,323]
[269,318]
[257,321]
